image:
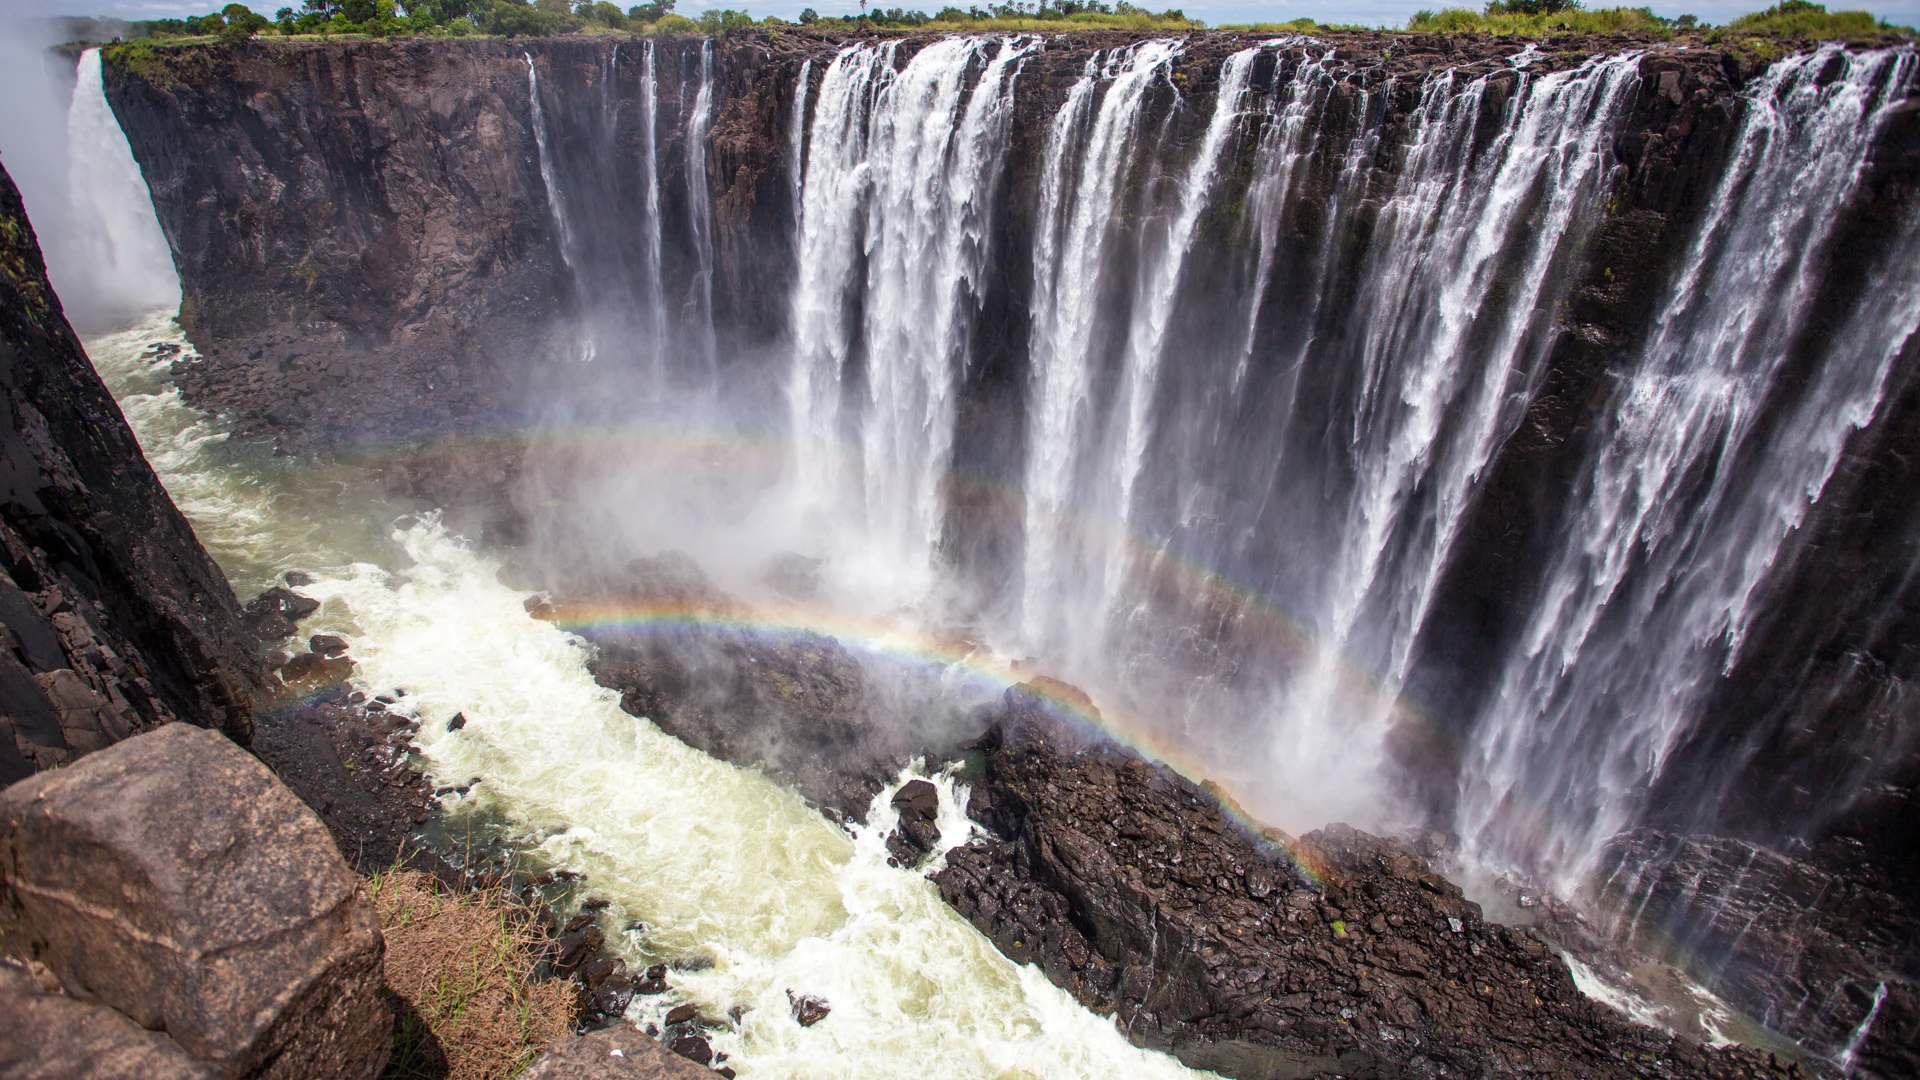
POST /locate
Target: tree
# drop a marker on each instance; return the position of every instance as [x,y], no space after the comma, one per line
[358,11]
[808,16]
[650,12]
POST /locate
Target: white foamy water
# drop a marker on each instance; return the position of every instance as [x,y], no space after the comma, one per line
[714,860]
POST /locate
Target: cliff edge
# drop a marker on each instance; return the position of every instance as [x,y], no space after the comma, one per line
[113,618]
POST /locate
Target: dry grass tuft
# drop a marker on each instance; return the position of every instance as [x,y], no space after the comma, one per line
[458,966]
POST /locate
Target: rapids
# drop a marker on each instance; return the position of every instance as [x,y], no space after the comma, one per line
[716,861]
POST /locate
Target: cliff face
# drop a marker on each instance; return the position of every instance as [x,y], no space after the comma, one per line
[115,619]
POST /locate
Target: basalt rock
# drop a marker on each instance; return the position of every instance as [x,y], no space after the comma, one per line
[113,619]
[1832,954]
[918,804]
[616,1053]
[795,704]
[1255,955]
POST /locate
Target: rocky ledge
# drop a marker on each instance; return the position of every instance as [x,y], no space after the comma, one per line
[1258,956]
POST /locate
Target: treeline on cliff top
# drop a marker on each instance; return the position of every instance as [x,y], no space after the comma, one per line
[544,18]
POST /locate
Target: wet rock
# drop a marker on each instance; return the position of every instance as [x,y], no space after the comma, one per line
[297,578]
[808,1009]
[1135,890]
[328,645]
[574,947]
[273,614]
[580,921]
[309,671]
[683,1014]
[916,836]
[45,1035]
[655,981]
[619,1052]
[173,878]
[693,1048]
[1807,942]
[459,721]
[796,577]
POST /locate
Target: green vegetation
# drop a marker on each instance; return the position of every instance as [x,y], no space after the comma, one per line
[540,18]
[1798,18]
[1532,18]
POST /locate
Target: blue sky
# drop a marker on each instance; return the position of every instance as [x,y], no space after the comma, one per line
[1368,12]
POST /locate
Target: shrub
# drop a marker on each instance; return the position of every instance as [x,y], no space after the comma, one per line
[676,24]
[1800,18]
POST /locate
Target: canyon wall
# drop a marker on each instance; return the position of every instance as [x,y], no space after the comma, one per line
[1350,371]
[115,620]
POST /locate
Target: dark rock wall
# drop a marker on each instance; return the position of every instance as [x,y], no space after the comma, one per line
[115,619]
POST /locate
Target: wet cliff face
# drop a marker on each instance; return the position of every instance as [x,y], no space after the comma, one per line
[113,619]
[1300,422]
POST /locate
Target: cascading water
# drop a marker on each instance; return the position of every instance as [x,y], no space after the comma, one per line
[118,250]
[1428,378]
[700,214]
[893,247]
[1082,173]
[1716,446]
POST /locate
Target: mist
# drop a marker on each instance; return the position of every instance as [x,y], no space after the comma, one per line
[85,196]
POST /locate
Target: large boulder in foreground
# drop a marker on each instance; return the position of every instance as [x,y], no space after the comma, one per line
[620,1052]
[46,1035]
[173,878]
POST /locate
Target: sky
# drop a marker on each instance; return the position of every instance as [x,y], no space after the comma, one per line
[1215,12]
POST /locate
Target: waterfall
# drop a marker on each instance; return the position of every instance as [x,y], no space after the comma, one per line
[1084,168]
[797,146]
[1713,450]
[1858,1037]
[654,282]
[699,210]
[893,243]
[555,203]
[122,267]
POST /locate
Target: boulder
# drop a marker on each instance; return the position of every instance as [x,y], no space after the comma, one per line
[49,1036]
[914,838]
[328,644]
[272,614]
[173,878]
[620,1052]
[311,670]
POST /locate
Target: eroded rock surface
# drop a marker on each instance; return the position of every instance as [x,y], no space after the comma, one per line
[1834,955]
[1340,953]
[113,619]
[172,878]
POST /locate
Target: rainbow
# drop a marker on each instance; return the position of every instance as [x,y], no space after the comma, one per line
[968,659]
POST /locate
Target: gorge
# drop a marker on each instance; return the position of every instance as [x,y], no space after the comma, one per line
[1500,448]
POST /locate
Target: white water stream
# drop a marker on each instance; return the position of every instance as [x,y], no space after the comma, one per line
[716,861]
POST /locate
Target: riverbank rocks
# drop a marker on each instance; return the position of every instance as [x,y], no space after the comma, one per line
[274,614]
[616,1053]
[918,804]
[1256,955]
[172,878]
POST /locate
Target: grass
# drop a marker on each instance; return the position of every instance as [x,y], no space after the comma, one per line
[457,966]
[1602,21]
